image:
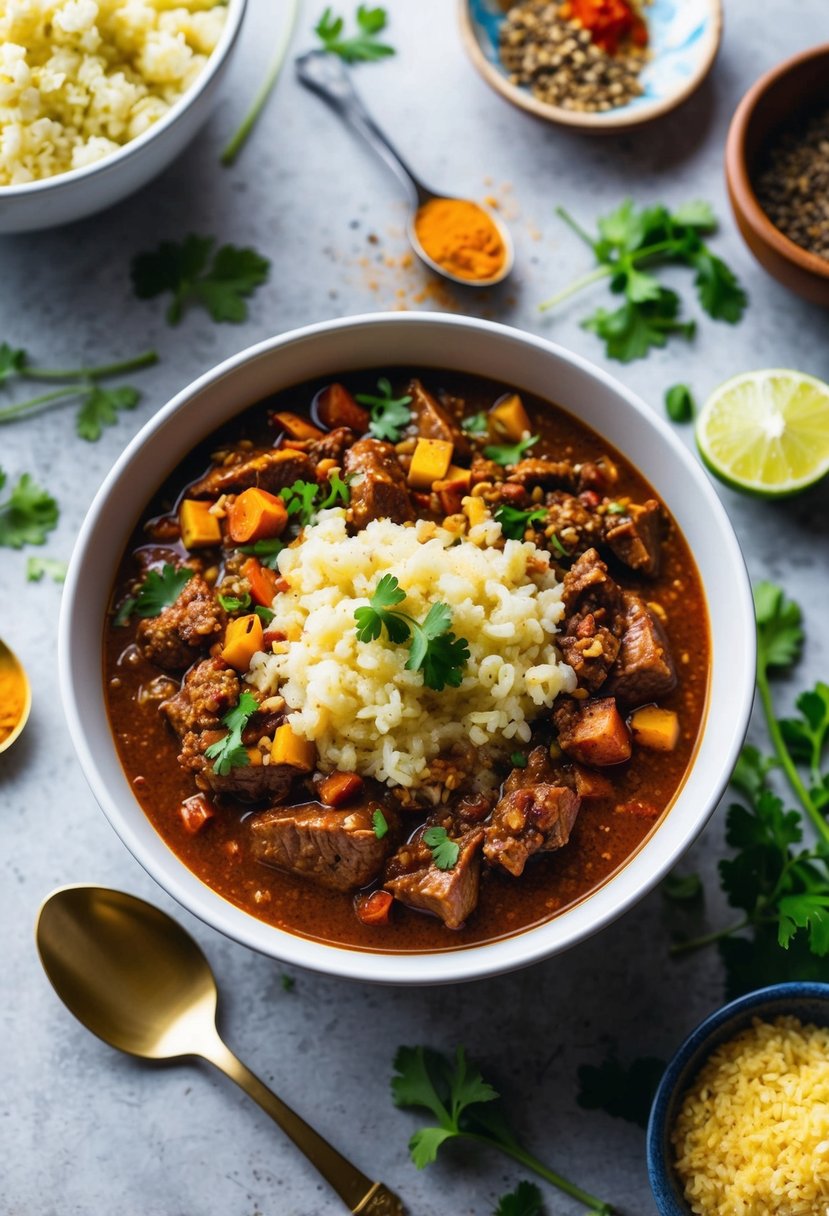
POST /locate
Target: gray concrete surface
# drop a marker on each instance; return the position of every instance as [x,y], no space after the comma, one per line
[84,1130]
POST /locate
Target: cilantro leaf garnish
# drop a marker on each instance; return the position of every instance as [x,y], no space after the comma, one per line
[157,592]
[462,1104]
[445,852]
[338,492]
[100,408]
[476,424]
[267,551]
[185,270]
[624,1093]
[379,823]
[679,403]
[36,567]
[363,46]
[12,361]
[234,603]
[525,1200]
[630,238]
[305,499]
[27,514]
[514,523]
[389,414]
[229,752]
[433,649]
[509,453]
[265,615]
[682,888]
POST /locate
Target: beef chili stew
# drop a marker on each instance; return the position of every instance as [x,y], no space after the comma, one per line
[406,663]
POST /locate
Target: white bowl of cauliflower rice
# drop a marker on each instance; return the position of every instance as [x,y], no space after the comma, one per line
[405,648]
[99,96]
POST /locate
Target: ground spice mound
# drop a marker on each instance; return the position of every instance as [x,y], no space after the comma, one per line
[793,188]
[560,62]
[460,236]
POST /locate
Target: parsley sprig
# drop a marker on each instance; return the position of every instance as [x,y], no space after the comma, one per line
[510,453]
[777,879]
[305,499]
[631,237]
[230,752]
[363,46]
[525,1200]
[185,269]
[514,523]
[445,852]
[99,407]
[157,592]
[389,414]
[475,424]
[433,649]
[460,1100]
[28,513]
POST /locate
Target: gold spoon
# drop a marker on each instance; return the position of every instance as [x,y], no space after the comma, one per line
[15,712]
[138,981]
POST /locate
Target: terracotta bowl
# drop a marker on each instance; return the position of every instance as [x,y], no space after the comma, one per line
[793,89]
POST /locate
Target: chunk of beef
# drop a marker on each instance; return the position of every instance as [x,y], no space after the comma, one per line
[181,632]
[593,732]
[538,770]
[254,782]
[209,690]
[589,641]
[332,446]
[549,474]
[415,880]
[635,538]
[644,670]
[379,489]
[434,422]
[271,470]
[588,588]
[336,849]
[535,818]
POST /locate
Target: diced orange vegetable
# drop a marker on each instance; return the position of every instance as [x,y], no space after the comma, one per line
[296,427]
[243,637]
[336,407]
[290,748]
[590,784]
[430,462]
[256,515]
[264,582]
[475,510]
[195,813]
[452,489]
[199,529]
[599,735]
[655,728]
[509,419]
[340,788]
[374,909]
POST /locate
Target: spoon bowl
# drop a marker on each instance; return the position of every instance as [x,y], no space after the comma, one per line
[11,666]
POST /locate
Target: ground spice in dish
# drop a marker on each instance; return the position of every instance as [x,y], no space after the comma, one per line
[560,61]
[793,188]
[460,236]
[12,701]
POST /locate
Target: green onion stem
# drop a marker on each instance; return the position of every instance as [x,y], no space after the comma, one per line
[234,147]
[783,755]
[91,373]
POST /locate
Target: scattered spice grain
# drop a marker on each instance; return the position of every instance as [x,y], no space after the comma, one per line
[793,187]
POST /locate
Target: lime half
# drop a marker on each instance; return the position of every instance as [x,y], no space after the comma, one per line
[767,432]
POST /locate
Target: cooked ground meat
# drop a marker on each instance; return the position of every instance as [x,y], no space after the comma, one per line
[209,690]
[184,630]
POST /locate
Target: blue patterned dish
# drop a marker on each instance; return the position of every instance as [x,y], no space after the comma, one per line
[684,39]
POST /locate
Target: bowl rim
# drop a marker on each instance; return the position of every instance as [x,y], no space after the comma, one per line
[475,961]
[614,121]
[113,160]
[744,196]
[693,1046]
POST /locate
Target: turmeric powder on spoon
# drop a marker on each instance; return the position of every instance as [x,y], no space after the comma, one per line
[461,238]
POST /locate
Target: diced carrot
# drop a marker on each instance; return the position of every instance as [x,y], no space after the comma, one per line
[374,909]
[509,419]
[340,788]
[264,582]
[336,407]
[256,515]
[243,637]
[452,489]
[195,813]
[290,748]
[598,735]
[199,529]
[296,427]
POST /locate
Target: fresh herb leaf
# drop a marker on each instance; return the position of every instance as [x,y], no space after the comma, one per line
[265,615]
[379,823]
[525,1200]
[779,632]
[157,592]
[234,603]
[719,293]
[124,614]
[36,567]
[445,852]
[616,508]
[624,1093]
[696,214]
[461,1103]
[679,403]
[267,551]
[12,362]
[27,515]
[476,424]
[100,408]
[363,46]
[682,888]
[518,760]
[389,414]
[558,546]
[338,492]
[514,523]
[305,499]
[229,753]
[287,981]
[632,330]
[432,648]
[185,270]
[509,453]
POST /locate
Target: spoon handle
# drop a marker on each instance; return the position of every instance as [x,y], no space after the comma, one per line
[326,75]
[358,1192]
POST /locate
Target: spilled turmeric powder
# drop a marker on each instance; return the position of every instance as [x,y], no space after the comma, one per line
[461,238]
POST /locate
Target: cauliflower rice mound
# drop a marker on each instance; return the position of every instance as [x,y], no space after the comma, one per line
[356,700]
[80,78]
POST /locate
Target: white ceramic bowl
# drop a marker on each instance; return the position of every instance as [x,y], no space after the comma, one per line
[430,340]
[81,192]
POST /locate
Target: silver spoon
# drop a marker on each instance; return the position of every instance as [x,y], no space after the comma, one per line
[326,75]
[137,980]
